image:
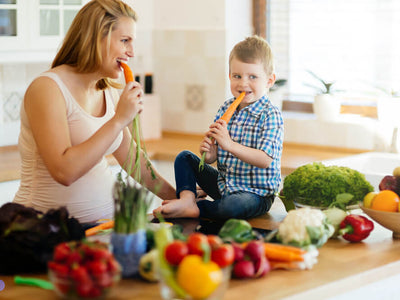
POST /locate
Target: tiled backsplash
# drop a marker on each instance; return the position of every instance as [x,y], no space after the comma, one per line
[14,79]
[191,75]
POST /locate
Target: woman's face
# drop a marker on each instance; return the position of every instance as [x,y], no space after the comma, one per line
[120,48]
[250,78]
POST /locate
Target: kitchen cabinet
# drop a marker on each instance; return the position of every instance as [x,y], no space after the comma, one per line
[32,30]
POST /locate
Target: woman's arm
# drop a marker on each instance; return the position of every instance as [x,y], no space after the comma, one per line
[160,186]
[46,111]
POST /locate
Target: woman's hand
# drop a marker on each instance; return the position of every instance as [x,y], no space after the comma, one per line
[130,103]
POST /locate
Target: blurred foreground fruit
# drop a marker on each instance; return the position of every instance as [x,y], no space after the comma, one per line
[386,200]
[396,172]
[367,202]
[83,269]
[390,182]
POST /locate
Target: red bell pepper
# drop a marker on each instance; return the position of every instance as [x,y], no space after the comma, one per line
[355,228]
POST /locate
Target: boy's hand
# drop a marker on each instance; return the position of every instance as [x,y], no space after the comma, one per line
[210,148]
[219,131]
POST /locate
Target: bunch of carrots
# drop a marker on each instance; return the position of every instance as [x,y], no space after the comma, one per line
[226,117]
[288,257]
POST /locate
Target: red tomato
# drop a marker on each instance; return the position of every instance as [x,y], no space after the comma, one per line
[223,256]
[196,241]
[175,252]
[214,241]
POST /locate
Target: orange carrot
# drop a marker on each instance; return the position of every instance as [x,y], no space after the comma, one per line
[226,117]
[127,72]
[284,248]
[231,109]
[96,229]
[282,253]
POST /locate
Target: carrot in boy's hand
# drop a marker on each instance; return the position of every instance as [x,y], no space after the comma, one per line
[226,117]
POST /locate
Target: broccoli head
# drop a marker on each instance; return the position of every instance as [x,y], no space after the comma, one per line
[318,185]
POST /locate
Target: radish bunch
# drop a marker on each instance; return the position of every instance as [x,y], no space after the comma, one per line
[250,260]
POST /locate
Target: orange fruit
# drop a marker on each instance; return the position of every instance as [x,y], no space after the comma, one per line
[386,200]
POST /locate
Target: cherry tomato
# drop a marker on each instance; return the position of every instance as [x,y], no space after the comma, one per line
[175,252]
[195,242]
[214,241]
[223,256]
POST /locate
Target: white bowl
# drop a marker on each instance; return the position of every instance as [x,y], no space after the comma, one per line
[389,220]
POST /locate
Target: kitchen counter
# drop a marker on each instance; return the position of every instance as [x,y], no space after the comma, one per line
[342,267]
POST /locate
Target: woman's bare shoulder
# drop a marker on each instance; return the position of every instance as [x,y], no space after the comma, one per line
[43,90]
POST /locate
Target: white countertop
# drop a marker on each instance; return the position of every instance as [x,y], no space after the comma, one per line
[349,131]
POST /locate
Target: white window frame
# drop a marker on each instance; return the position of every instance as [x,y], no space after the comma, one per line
[28,45]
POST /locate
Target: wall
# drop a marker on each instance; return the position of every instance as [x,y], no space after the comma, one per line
[192,41]
[184,43]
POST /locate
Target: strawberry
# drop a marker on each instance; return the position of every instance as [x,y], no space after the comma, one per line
[103,280]
[101,253]
[113,266]
[80,274]
[96,267]
[74,258]
[59,270]
[84,289]
[61,252]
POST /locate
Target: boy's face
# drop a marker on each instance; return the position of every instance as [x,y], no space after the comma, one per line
[250,78]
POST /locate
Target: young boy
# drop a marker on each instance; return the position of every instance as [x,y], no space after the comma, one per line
[247,150]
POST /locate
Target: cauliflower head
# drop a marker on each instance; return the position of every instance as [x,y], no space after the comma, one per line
[304,227]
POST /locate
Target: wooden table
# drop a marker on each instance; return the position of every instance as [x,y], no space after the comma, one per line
[341,267]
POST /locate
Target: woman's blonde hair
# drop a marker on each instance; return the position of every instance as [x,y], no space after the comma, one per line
[254,49]
[81,47]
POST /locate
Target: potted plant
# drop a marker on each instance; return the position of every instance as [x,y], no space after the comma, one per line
[326,105]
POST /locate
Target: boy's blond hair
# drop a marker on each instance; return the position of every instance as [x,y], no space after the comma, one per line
[81,47]
[254,49]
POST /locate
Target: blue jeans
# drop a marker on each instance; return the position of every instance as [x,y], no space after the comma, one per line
[239,205]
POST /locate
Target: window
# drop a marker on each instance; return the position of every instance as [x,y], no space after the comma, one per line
[34,25]
[8,18]
[352,42]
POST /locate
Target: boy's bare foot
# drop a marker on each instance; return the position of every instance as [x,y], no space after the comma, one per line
[178,208]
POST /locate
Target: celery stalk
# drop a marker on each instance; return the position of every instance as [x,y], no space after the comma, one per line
[163,237]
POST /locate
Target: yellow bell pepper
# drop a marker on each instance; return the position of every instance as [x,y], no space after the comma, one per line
[198,278]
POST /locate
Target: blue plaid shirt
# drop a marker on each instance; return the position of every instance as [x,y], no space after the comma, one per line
[260,126]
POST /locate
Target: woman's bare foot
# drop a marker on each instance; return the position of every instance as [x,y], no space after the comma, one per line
[178,208]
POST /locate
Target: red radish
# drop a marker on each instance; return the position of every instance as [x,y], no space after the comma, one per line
[243,269]
[262,267]
[255,250]
[239,252]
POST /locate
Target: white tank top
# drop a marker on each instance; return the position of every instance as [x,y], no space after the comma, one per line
[90,197]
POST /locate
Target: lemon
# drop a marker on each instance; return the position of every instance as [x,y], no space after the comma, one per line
[396,172]
[368,198]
